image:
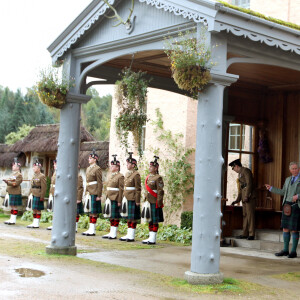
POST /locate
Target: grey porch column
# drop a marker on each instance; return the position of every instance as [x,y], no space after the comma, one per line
[205,256]
[63,231]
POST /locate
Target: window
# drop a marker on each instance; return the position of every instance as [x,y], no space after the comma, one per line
[240,145]
[236,137]
[241,3]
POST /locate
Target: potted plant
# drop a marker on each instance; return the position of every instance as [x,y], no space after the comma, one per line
[52,87]
[131,94]
[190,61]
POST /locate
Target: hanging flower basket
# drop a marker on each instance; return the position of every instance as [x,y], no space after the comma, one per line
[190,59]
[192,78]
[52,89]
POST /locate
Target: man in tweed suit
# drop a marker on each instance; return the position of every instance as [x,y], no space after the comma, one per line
[290,223]
[14,191]
[247,196]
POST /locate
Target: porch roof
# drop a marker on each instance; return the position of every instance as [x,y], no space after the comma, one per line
[218,16]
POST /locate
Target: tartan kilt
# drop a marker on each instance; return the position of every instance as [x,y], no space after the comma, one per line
[291,222]
[134,211]
[115,210]
[157,214]
[79,208]
[95,205]
[37,204]
[15,200]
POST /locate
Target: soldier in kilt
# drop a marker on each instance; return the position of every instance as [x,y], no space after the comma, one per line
[115,187]
[52,190]
[38,190]
[132,192]
[14,191]
[155,193]
[94,188]
[290,219]
[79,197]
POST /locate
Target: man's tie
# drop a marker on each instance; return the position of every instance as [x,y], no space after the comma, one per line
[293,180]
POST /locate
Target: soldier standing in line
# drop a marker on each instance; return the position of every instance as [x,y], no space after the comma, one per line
[247,196]
[115,187]
[94,191]
[79,197]
[154,185]
[51,192]
[132,195]
[38,190]
[14,191]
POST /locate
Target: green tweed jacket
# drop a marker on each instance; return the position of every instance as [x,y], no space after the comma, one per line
[288,190]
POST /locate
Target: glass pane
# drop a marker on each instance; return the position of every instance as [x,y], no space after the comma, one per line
[232,176]
[248,138]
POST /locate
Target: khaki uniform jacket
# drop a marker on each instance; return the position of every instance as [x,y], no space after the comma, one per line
[246,188]
[38,185]
[116,181]
[79,188]
[133,179]
[289,190]
[52,186]
[155,182]
[94,173]
[14,183]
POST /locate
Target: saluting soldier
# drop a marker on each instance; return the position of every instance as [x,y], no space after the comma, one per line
[79,197]
[38,190]
[115,187]
[14,191]
[132,195]
[155,193]
[247,196]
[94,189]
[51,192]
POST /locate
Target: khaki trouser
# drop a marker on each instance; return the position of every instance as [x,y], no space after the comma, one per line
[249,218]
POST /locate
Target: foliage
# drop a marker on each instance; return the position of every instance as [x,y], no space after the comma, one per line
[52,88]
[96,115]
[178,177]
[131,93]
[17,110]
[190,60]
[46,217]
[165,233]
[48,182]
[13,137]
[261,16]
[187,219]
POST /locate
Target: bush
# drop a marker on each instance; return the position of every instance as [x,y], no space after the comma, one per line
[187,220]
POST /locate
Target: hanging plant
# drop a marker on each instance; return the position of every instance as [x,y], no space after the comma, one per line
[52,88]
[190,61]
[131,94]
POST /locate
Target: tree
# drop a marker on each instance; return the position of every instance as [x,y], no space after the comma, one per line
[13,137]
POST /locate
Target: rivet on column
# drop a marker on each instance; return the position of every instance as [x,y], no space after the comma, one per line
[65,234]
[66,200]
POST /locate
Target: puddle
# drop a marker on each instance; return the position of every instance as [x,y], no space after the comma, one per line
[25,272]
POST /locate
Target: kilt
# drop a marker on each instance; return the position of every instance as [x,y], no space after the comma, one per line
[79,208]
[95,205]
[291,222]
[37,204]
[115,210]
[134,211]
[157,214]
[15,200]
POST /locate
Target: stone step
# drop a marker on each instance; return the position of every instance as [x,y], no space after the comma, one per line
[264,235]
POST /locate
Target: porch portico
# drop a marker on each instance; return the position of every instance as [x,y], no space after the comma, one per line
[91,47]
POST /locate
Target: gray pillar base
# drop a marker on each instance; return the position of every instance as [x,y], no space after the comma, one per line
[196,278]
[62,250]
